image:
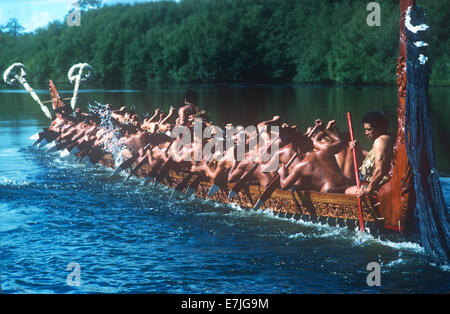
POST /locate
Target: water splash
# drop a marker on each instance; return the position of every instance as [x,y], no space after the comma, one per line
[363,239]
[112,144]
[358,239]
[12,182]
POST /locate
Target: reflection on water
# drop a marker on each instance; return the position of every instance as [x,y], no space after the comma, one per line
[249,104]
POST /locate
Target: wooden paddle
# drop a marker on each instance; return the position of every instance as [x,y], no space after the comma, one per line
[241,183]
[273,185]
[194,185]
[154,172]
[140,164]
[85,150]
[59,146]
[129,162]
[37,137]
[135,169]
[355,164]
[181,186]
[46,137]
[94,155]
[83,147]
[220,182]
[164,169]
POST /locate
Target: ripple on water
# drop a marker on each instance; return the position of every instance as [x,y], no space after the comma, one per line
[130,238]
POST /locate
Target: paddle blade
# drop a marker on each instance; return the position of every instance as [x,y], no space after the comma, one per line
[52,149]
[128,177]
[148,180]
[180,186]
[189,191]
[174,194]
[241,183]
[74,151]
[213,190]
[50,145]
[258,204]
[85,159]
[268,192]
[117,171]
[88,164]
[139,165]
[126,164]
[42,143]
[232,194]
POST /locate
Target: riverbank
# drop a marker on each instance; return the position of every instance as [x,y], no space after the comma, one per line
[218,40]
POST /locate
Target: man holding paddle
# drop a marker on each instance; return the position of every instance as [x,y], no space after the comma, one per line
[375,167]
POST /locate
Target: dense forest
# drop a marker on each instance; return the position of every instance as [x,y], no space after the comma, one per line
[304,41]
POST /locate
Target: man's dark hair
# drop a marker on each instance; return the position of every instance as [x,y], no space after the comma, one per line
[305,143]
[63,110]
[92,118]
[132,110]
[191,97]
[377,119]
[126,127]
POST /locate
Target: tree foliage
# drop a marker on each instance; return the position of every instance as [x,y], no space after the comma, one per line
[12,27]
[302,41]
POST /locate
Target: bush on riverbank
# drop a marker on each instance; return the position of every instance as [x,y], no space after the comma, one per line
[230,40]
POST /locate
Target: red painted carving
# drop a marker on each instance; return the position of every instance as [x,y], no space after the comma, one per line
[56,100]
[397,196]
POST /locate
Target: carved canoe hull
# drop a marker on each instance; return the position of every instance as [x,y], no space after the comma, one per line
[331,208]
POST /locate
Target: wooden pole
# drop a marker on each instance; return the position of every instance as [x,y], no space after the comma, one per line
[355,164]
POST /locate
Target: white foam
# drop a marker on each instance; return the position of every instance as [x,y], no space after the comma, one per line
[361,239]
[12,182]
[64,153]
[298,235]
[34,137]
[445,268]
[396,262]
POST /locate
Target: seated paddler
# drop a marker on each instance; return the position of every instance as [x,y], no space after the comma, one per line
[318,169]
[190,107]
[374,169]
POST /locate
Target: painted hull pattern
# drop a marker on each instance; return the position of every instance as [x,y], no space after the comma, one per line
[331,208]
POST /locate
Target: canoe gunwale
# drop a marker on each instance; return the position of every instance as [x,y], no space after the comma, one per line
[339,209]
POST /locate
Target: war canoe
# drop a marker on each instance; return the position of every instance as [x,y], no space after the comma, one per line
[390,210]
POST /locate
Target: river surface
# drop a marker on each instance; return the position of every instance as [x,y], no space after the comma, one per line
[127,238]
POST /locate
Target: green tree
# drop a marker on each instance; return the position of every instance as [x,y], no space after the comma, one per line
[13,27]
[228,41]
[87,4]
